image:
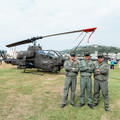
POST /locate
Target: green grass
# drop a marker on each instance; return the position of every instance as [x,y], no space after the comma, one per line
[34,97]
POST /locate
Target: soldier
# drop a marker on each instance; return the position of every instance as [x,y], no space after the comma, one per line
[86,69]
[71,71]
[100,82]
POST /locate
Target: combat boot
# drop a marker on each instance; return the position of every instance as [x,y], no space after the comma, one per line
[95,104]
[73,105]
[63,105]
[106,108]
[90,105]
[81,105]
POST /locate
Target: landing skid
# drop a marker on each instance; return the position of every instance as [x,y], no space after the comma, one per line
[35,73]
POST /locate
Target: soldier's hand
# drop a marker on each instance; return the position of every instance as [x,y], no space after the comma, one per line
[97,70]
[73,68]
[89,68]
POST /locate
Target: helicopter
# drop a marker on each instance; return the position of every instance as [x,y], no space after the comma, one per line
[36,57]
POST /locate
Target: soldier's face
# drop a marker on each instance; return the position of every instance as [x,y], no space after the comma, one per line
[87,57]
[101,59]
[72,57]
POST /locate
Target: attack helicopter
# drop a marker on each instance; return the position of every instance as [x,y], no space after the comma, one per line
[36,57]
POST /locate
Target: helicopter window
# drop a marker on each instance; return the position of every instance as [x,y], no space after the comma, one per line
[42,52]
[52,54]
[59,53]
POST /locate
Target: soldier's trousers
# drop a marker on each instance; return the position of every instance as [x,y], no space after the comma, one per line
[69,82]
[85,83]
[103,85]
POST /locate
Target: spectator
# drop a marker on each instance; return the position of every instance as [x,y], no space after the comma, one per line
[112,64]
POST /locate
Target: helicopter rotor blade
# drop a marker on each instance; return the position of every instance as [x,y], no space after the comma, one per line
[18,43]
[84,30]
[62,33]
[36,38]
[24,42]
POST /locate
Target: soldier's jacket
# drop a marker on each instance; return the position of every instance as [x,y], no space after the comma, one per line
[104,70]
[68,65]
[84,68]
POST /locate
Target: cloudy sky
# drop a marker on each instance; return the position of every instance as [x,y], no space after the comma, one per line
[23,19]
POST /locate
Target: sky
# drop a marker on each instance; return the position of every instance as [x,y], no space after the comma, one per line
[23,19]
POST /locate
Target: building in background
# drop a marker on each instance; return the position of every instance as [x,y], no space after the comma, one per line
[12,54]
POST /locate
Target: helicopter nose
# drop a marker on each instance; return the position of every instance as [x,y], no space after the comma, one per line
[64,59]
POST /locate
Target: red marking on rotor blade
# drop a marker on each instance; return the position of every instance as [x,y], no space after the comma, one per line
[89,29]
[90,35]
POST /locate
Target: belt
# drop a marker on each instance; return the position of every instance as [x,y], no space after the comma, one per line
[71,76]
[86,76]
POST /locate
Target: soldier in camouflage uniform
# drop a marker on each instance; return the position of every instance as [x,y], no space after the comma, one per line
[86,69]
[101,76]
[71,71]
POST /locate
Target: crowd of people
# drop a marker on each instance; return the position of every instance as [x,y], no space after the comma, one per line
[86,67]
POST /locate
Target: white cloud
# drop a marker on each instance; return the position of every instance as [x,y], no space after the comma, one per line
[22,19]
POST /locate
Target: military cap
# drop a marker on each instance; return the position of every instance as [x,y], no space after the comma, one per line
[100,55]
[86,53]
[72,53]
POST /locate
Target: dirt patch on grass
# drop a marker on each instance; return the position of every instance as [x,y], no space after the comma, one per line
[112,107]
[16,106]
[118,103]
[10,83]
[105,117]
[61,75]
[24,105]
[47,83]
[51,77]
[58,89]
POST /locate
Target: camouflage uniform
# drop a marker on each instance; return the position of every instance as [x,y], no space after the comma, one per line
[70,80]
[85,80]
[101,82]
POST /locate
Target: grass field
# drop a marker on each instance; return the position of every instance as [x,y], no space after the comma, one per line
[34,97]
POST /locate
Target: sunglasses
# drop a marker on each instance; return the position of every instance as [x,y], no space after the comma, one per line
[72,55]
[100,57]
[86,55]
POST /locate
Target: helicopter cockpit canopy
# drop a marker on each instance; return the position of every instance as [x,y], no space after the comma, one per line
[49,53]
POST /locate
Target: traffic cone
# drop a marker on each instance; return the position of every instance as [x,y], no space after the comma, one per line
[3,64]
